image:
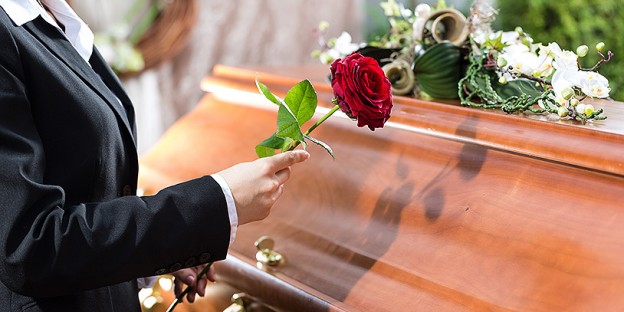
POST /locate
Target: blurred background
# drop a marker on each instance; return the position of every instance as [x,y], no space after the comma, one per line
[202,33]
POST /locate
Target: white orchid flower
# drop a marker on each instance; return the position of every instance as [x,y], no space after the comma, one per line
[521,59]
[391,8]
[545,60]
[406,13]
[422,10]
[478,36]
[509,37]
[564,59]
[564,79]
[567,74]
[332,55]
[594,84]
[422,13]
[344,44]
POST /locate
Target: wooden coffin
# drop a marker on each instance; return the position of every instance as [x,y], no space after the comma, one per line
[447,208]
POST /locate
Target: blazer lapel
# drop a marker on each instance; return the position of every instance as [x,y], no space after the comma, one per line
[112,82]
[58,45]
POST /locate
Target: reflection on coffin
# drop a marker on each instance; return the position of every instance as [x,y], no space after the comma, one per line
[446,208]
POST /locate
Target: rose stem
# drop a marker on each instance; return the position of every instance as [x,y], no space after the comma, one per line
[316,124]
[320,121]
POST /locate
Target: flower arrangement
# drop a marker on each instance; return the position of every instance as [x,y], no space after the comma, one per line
[151,32]
[508,71]
[437,52]
[118,45]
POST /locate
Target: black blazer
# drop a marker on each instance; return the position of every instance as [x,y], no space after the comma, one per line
[73,237]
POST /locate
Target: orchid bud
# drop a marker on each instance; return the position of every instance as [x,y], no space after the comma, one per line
[580,109]
[581,51]
[574,101]
[589,109]
[325,58]
[519,30]
[563,112]
[502,80]
[567,93]
[323,25]
[600,46]
[501,62]
[331,42]
[316,54]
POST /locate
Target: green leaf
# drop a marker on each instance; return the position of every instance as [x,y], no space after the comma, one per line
[289,146]
[496,43]
[267,147]
[323,145]
[518,87]
[287,124]
[438,70]
[267,93]
[302,100]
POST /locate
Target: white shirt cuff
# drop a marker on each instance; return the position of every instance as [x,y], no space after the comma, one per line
[231,206]
[146,282]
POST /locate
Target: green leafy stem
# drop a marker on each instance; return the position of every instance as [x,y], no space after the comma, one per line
[294,110]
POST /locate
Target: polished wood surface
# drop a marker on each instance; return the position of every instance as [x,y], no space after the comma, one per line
[447,208]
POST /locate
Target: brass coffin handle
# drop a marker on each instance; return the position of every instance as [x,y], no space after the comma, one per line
[266,255]
[242,302]
[238,304]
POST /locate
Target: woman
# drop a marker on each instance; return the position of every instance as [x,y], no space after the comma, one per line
[74,236]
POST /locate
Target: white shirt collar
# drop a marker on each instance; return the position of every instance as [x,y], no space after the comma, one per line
[76,31]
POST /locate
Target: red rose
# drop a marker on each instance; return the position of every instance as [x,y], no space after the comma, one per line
[362,90]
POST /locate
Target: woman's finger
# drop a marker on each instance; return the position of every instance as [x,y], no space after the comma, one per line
[178,287]
[283,175]
[191,296]
[287,159]
[278,193]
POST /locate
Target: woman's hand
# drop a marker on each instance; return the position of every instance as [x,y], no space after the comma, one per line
[257,185]
[188,277]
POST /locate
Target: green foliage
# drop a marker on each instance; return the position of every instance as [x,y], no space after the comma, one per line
[438,70]
[495,43]
[294,110]
[571,24]
[482,85]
